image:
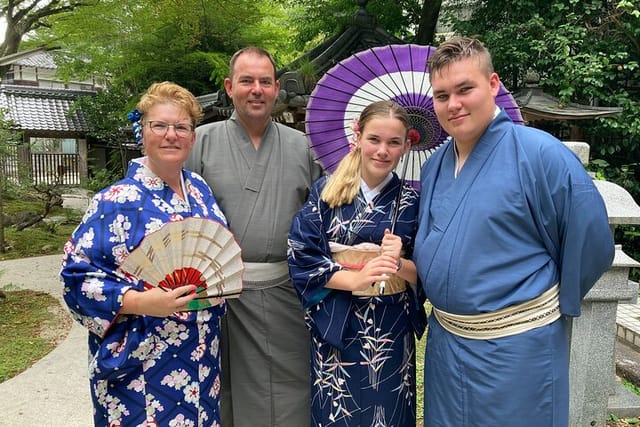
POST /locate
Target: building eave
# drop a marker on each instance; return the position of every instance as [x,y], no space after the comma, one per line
[536,105]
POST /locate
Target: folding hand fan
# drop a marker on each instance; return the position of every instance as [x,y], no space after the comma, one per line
[195,251]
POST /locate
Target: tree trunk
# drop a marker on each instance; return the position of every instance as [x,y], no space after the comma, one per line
[33,221]
[21,17]
[428,21]
[11,43]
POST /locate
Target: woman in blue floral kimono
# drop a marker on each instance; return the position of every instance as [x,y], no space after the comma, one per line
[356,280]
[152,363]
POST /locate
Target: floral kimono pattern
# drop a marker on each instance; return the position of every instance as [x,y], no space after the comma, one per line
[143,370]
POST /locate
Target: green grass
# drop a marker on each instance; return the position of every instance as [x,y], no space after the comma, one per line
[420,346]
[23,315]
[26,317]
[420,377]
[44,238]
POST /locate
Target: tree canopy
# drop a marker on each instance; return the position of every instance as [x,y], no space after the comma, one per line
[411,20]
[127,46]
[180,40]
[24,16]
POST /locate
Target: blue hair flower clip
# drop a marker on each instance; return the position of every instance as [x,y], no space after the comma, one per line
[134,117]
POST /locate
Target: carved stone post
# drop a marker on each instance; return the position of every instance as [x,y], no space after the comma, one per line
[593,334]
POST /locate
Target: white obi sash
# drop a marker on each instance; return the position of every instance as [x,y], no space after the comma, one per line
[540,311]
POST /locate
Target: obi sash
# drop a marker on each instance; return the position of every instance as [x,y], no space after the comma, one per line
[540,311]
[355,257]
[263,275]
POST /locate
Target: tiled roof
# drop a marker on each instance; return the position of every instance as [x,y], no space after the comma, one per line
[540,105]
[39,58]
[43,110]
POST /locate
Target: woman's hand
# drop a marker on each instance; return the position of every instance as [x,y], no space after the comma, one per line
[157,301]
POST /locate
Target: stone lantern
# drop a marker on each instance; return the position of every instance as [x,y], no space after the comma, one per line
[593,389]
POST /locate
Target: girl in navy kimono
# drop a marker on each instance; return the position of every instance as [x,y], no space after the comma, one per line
[151,362]
[356,280]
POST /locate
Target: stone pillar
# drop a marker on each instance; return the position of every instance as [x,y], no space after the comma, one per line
[593,334]
[581,149]
[592,353]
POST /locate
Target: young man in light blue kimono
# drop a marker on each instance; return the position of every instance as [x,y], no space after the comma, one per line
[512,235]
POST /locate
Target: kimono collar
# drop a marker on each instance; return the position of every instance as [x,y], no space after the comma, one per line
[496,112]
[152,182]
[371,193]
[236,120]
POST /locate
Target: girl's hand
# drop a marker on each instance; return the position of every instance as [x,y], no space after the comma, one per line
[391,245]
[376,270]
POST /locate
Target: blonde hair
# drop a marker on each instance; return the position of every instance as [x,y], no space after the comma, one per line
[171,93]
[343,185]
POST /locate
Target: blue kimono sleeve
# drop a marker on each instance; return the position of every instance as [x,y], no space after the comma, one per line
[311,267]
[92,289]
[584,246]
[587,249]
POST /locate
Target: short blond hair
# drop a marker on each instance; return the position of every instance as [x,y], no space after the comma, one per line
[171,93]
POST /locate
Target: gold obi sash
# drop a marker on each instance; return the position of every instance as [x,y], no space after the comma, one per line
[355,257]
[540,311]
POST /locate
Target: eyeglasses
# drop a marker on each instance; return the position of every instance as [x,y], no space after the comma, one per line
[183,130]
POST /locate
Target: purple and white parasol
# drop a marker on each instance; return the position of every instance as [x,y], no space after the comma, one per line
[394,72]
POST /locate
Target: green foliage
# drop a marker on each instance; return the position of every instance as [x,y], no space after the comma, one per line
[134,45]
[182,41]
[623,421]
[315,21]
[107,114]
[631,387]
[7,135]
[127,46]
[101,179]
[12,190]
[8,139]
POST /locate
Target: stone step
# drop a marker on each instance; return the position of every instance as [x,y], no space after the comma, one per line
[628,324]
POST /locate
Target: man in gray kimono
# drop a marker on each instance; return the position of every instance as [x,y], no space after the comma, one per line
[260,172]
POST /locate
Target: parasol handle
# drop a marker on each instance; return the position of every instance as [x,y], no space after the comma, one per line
[396,208]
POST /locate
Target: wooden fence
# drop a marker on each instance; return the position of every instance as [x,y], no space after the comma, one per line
[41,168]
